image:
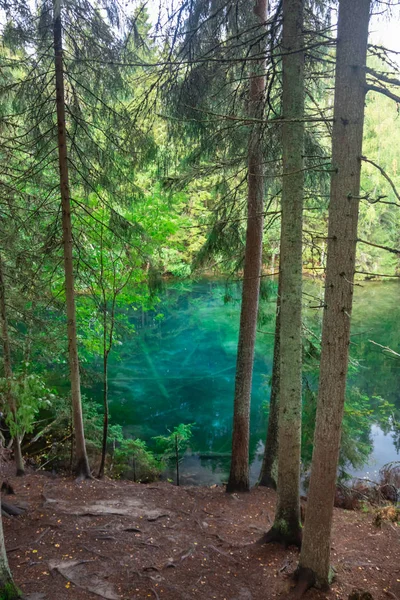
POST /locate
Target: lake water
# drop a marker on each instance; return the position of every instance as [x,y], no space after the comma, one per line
[179,367]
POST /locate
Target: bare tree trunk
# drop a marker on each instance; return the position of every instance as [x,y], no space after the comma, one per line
[106,351]
[106,414]
[347,138]
[81,461]
[8,589]
[287,525]
[8,374]
[19,461]
[177,460]
[239,473]
[269,468]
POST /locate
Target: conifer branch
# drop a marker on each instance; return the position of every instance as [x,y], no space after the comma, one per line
[385,175]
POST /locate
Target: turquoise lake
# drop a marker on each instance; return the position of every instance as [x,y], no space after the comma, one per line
[179,367]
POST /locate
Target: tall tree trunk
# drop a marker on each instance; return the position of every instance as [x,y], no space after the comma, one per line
[239,473]
[8,589]
[287,525]
[8,374]
[106,411]
[347,138]
[81,468]
[269,468]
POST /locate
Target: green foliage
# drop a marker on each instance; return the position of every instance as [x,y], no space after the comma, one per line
[53,441]
[158,186]
[174,444]
[379,217]
[177,441]
[133,456]
[360,412]
[93,422]
[31,395]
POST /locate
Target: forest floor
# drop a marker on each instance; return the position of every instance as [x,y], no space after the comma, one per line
[117,539]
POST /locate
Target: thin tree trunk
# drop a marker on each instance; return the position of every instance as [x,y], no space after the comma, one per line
[269,468]
[81,467]
[347,138]
[287,524]
[105,362]
[8,589]
[19,461]
[177,460]
[106,414]
[8,374]
[239,473]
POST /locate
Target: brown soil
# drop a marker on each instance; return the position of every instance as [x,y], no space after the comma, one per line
[126,540]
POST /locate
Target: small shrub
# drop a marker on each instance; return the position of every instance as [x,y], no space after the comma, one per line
[132,459]
[173,445]
[387,513]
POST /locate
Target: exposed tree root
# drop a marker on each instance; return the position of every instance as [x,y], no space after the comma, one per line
[305,579]
[155,593]
[10,510]
[286,539]
[391,595]
[237,487]
[267,481]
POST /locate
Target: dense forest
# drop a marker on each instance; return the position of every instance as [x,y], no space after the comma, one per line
[162,160]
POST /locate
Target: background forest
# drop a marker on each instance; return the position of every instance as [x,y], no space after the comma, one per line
[166,186]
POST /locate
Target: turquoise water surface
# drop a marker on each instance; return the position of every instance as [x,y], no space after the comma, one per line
[179,367]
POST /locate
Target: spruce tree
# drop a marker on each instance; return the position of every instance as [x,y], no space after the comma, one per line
[239,472]
[91,134]
[347,137]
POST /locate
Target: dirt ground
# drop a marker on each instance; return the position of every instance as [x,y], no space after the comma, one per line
[117,540]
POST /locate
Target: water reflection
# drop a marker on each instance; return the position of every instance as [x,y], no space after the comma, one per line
[180,367]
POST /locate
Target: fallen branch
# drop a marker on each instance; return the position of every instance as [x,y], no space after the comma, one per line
[42,535]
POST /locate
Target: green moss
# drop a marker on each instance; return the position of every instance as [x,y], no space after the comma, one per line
[282,526]
[324,584]
[9,591]
[285,531]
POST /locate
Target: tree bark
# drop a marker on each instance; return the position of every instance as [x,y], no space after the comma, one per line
[347,137]
[287,524]
[81,467]
[239,472]
[269,469]
[8,374]
[8,589]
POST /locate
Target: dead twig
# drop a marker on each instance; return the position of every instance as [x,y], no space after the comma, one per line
[385,348]
[155,593]
[41,536]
